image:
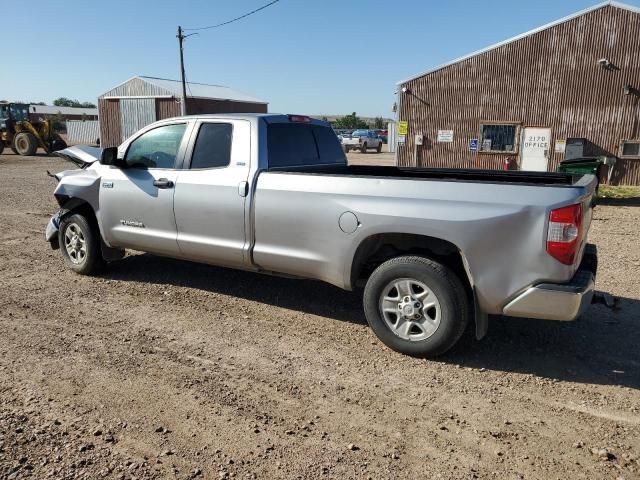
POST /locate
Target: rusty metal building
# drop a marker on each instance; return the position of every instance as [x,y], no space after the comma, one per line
[141,100]
[569,87]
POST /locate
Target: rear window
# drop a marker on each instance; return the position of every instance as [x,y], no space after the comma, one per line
[295,144]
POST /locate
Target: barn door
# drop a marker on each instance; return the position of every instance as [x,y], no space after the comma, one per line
[136,113]
[534,149]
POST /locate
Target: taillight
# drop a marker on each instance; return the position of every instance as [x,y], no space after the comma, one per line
[564,234]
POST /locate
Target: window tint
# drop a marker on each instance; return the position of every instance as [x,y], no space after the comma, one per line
[498,138]
[213,146]
[329,145]
[157,148]
[292,144]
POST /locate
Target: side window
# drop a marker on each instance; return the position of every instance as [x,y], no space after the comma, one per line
[213,146]
[157,148]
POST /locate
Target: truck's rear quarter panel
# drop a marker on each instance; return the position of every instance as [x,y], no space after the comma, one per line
[499,228]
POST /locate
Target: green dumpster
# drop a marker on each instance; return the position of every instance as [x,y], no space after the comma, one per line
[592,165]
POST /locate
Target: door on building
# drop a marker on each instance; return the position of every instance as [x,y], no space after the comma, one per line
[535,149]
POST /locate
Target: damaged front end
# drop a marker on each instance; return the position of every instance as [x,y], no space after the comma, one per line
[75,187]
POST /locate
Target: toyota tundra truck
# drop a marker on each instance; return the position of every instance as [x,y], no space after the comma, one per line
[434,249]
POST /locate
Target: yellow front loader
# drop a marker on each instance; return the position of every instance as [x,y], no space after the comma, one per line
[22,135]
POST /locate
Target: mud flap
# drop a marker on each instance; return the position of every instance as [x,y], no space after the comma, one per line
[482,319]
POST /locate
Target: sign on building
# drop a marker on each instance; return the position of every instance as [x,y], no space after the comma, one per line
[473,145]
[561,146]
[403,128]
[445,136]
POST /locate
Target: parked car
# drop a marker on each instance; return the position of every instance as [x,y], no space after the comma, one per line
[383,135]
[433,248]
[362,140]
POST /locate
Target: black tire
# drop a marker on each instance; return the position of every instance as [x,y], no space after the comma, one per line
[454,307]
[1,146]
[363,149]
[91,261]
[25,144]
[379,149]
[346,149]
[58,144]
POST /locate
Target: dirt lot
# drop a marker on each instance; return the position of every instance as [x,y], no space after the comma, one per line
[163,369]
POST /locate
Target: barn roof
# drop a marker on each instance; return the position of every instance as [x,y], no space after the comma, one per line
[615,4]
[141,85]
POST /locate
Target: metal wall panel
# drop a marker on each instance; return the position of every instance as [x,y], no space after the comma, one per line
[136,113]
[167,108]
[549,79]
[109,117]
[83,132]
[197,106]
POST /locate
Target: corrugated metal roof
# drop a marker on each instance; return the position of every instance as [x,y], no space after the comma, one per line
[53,110]
[140,86]
[522,35]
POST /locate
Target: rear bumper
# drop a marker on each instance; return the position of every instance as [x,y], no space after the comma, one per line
[553,301]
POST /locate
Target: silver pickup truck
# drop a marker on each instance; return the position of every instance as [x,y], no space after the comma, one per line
[434,249]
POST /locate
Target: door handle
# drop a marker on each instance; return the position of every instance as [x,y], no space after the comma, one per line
[243,189]
[163,183]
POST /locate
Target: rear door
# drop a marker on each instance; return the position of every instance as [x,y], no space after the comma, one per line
[211,192]
[534,149]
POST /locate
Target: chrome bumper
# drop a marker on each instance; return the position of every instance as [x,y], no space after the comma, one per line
[551,301]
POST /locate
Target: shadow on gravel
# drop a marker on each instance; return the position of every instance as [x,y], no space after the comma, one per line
[307,296]
[602,347]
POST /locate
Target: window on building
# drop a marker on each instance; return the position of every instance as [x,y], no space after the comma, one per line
[630,148]
[213,146]
[498,137]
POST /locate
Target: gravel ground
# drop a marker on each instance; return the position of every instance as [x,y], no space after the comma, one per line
[166,369]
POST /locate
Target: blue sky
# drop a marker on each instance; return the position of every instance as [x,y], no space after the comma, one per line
[303,56]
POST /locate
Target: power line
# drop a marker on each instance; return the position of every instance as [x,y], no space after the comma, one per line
[233,19]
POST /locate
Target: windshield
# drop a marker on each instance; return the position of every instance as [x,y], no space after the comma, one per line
[360,133]
[19,112]
[4,112]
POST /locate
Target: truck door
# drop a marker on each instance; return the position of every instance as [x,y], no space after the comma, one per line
[211,193]
[136,202]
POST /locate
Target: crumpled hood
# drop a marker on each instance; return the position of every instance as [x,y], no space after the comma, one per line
[81,155]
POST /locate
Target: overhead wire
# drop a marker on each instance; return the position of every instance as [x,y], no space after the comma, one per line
[233,19]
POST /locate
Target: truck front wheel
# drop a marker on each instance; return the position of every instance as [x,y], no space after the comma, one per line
[79,242]
[416,306]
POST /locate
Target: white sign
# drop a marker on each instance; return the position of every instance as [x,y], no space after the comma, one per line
[402,139]
[560,146]
[445,136]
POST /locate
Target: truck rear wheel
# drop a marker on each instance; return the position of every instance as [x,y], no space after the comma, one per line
[416,306]
[79,242]
[25,144]
[379,149]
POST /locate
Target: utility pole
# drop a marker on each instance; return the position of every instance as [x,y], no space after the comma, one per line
[181,38]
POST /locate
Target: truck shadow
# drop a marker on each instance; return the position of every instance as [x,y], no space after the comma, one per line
[602,347]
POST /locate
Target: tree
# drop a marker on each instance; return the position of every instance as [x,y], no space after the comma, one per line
[67,102]
[379,123]
[350,121]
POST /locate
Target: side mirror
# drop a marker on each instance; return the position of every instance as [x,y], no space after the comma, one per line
[109,156]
